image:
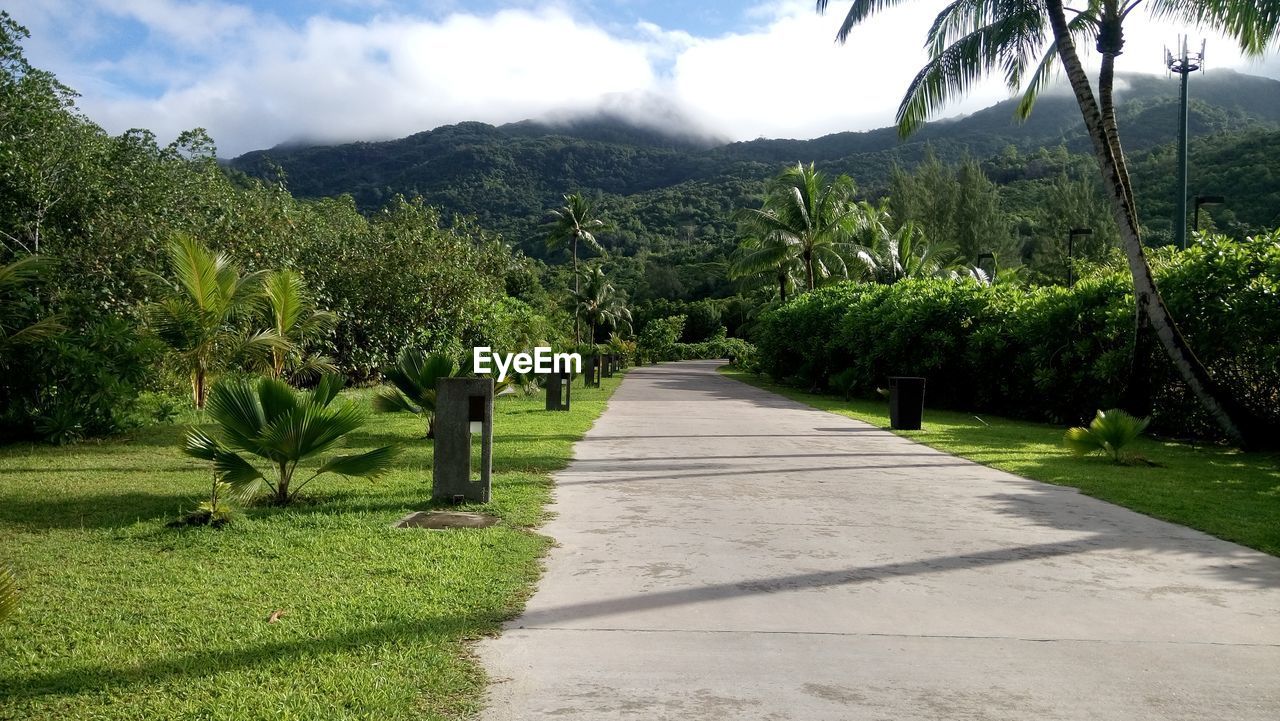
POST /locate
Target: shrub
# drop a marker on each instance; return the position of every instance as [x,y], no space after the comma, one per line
[1033,352]
[1109,432]
[414,378]
[270,421]
[659,337]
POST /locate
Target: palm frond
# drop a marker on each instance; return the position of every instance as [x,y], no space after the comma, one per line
[366,465]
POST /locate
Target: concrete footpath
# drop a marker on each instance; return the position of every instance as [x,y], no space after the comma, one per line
[725,553]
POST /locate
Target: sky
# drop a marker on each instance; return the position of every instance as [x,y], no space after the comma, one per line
[256,73]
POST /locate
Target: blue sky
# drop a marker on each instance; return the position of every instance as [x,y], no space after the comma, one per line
[258,73]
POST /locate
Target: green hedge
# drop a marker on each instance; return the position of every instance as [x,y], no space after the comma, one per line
[1045,353]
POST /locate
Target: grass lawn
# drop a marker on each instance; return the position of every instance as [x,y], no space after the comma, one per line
[125,618]
[1232,495]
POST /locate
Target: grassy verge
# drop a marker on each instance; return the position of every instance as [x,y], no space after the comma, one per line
[1232,495]
[124,618]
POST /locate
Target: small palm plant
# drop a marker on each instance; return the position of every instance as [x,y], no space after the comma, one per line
[297,323]
[1109,432]
[414,376]
[268,420]
[8,592]
[204,317]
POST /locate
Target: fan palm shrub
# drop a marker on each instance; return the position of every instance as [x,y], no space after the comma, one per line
[268,421]
[298,325]
[414,377]
[204,318]
[1109,432]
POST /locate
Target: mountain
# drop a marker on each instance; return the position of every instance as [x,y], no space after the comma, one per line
[667,190]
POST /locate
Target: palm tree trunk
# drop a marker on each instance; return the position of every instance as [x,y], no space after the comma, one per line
[1234,420]
[782,286]
[577,335]
[197,387]
[1138,389]
[808,268]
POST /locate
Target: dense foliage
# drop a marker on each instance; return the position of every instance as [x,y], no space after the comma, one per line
[1045,353]
[330,287]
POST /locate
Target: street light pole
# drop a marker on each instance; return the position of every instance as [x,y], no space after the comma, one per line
[1185,64]
[1071,251]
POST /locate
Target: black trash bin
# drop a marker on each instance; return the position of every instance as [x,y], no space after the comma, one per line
[906,402]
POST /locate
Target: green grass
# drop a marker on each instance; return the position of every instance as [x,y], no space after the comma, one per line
[1229,494]
[125,618]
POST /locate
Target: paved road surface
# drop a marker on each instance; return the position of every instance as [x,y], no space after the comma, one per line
[725,553]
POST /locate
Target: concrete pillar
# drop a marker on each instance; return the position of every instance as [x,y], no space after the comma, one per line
[464,410]
[608,366]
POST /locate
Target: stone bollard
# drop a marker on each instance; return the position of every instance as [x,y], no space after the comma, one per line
[464,409]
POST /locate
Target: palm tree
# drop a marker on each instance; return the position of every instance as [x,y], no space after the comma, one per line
[15,325]
[297,323]
[574,223]
[267,419]
[770,258]
[203,319]
[598,303]
[903,254]
[414,376]
[1024,40]
[803,210]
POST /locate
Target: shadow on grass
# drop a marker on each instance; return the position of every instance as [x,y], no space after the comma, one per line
[212,661]
[96,511]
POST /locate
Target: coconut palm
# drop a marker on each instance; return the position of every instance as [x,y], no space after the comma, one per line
[901,254]
[575,223]
[16,327]
[298,324]
[803,210]
[267,420]
[768,259]
[598,304]
[203,319]
[1024,41]
[414,377]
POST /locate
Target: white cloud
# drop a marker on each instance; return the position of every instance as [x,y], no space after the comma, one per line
[254,80]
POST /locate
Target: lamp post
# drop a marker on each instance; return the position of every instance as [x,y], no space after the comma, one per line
[1071,251]
[1204,200]
[1184,64]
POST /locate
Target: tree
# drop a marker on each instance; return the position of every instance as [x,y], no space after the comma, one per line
[1024,40]
[597,303]
[203,318]
[414,376]
[298,324]
[575,223]
[804,210]
[270,421]
[768,258]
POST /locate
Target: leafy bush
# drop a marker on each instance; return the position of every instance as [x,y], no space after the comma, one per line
[1109,432]
[658,338]
[1043,353]
[270,421]
[414,378]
